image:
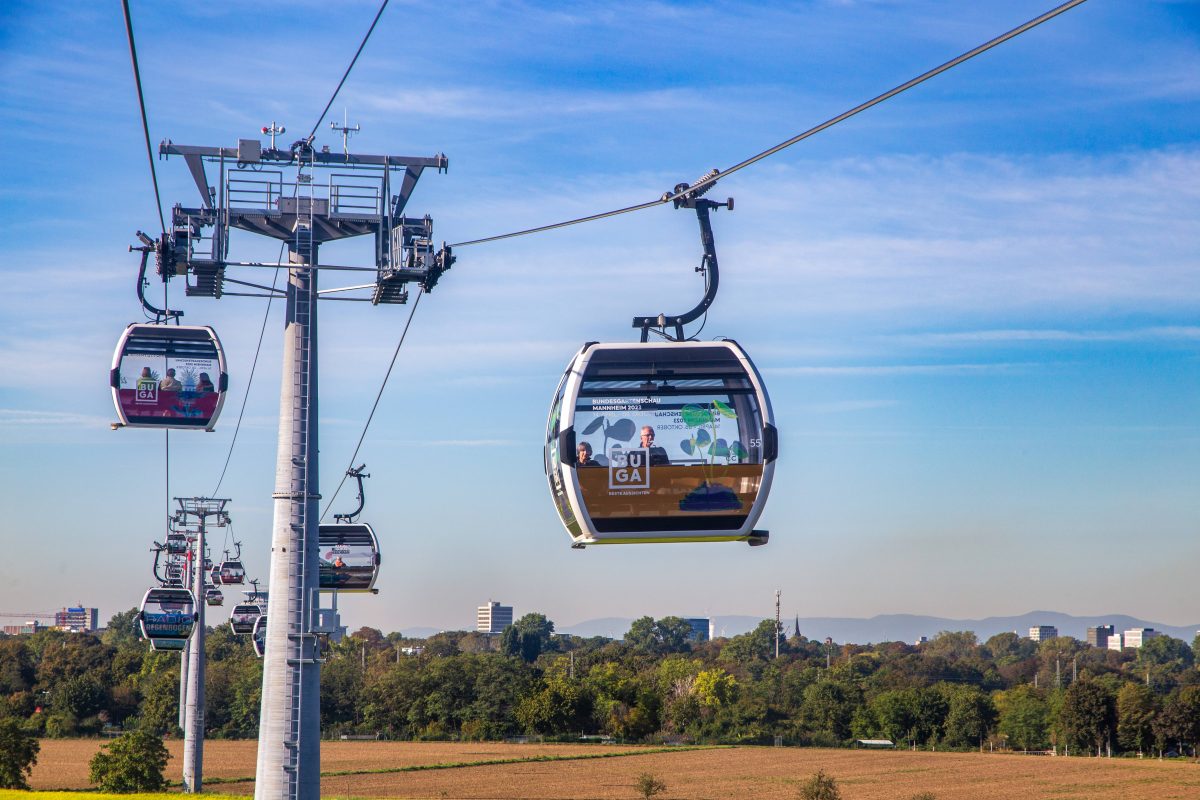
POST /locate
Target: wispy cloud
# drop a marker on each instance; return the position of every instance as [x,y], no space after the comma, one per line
[22,417]
[1038,336]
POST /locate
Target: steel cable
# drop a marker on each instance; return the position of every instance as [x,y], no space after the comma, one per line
[346,74]
[137,79]
[668,197]
[378,396]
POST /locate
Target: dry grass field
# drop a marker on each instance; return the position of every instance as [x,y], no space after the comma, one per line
[742,772]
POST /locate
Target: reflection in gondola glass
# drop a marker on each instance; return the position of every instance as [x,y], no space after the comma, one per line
[349,557]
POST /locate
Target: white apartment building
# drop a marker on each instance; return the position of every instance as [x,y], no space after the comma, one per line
[493,618]
[1116,641]
[1041,633]
[1136,637]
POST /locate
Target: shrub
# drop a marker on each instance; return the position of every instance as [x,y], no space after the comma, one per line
[924,796]
[134,762]
[649,785]
[820,787]
[18,754]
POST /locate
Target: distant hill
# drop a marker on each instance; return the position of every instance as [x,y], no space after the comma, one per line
[902,627]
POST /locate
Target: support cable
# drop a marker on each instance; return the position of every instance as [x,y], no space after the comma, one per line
[378,396]
[254,366]
[668,197]
[346,74]
[137,79]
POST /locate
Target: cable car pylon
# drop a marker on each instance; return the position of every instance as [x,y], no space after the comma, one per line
[304,214]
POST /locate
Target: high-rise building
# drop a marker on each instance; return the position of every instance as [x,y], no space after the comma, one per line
[77,619]
[1116,641]
[1099,635]
[31,626]
[1136,637]
[493,618]
[1040,633]
[700,628]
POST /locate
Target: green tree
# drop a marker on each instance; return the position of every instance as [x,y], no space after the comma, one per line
[1136,708]
[133,762]
[825,708]
[1164,651]
[820,787]
[969,716]
[1088,715]
[18,754]
[1025,718]
[122,629]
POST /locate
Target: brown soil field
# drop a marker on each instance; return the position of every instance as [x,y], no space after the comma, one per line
[744,772]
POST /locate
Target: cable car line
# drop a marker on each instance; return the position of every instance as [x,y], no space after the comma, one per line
[379,395]
[249,382]
[345,74]
[669,197]
[137,79]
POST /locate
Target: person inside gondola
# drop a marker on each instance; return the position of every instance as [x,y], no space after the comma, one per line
[658,455]
[338,563]
[145,380]
[585,456]
[169,383]
[204,383]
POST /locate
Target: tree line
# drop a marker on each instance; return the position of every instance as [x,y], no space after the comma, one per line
[658,684]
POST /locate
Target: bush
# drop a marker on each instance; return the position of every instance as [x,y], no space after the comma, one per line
[134,762]
[820,787]
[649,785]
[18,754]
[924,796]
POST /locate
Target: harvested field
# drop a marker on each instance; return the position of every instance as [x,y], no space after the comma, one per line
[743,772]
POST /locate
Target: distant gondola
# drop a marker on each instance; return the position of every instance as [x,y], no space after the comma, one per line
[167,617]
[168,376]
[241,620]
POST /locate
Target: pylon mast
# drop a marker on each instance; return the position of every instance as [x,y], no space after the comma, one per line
[356,199]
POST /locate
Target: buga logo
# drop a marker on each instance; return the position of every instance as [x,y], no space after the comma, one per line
[629,469]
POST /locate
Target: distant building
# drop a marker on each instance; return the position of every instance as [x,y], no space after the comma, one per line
[1136,637]
[1116,641]
[32,626]
[1099,635]
[77,620]
[700,628]
[921,641]
[493,618]
[1040,633]
[712,630]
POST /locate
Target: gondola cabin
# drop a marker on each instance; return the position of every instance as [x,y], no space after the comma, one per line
[259,636]
[232,573]
[241,621]
[177,544]
[349,557]
[661,442]
[214,597]
[169,376]
[214,576]
[167,617]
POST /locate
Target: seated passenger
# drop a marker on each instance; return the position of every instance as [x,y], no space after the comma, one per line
[585,456]
[658,455]
[204,384]
[169,384]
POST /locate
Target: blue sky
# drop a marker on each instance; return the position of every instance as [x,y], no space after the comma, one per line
[977,306]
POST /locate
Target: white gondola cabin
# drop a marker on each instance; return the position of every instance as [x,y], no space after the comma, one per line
[177,544]
[349,557]
[241,621]
[169,376]
[661,442]
[214,597]
[259,636]
[167,617]
[232,573]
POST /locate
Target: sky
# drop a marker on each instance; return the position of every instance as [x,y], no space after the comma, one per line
[976,306]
